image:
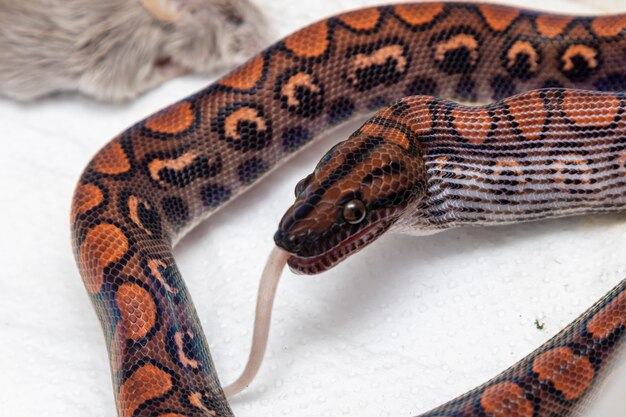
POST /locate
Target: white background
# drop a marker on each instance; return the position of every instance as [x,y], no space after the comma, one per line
[403,326]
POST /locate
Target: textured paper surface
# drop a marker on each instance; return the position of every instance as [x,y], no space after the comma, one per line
[407,324]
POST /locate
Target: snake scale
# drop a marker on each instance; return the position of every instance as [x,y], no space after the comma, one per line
[419,165]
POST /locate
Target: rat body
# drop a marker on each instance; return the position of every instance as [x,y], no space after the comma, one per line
[115,50]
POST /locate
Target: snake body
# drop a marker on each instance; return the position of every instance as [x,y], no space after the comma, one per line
[420,165]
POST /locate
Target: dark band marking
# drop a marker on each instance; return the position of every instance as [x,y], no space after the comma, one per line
[340,110]
[181,169]
[141,212]
[244,127]
[380,63]
[251,169]
[456,50]
[196,399]
[389,169]
[422,86]
[213,195]
[295,137]
[522,59]
[157,268]
[300,92]
[579,62]
[176,211]
[613,81]
[181,340]
[182,347]
[503,86]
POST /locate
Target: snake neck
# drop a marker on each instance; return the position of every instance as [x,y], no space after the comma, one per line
[493,165]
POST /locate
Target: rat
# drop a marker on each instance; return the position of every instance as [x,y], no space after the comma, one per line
[115,50]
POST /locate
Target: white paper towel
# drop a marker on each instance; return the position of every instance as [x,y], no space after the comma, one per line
[407,324]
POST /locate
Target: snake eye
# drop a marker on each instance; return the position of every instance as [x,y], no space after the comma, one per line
[354,211]
[302,184]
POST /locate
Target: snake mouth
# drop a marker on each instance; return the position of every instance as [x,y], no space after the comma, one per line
[323,262]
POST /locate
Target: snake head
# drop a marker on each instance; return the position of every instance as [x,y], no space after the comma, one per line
[358,190]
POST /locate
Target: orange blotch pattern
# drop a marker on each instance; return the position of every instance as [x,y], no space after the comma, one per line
[391,134]
[146,383]
[530,115]
[172,120]
[310,42]
[111,160]
[365,19]
[419,14]
[246,76]
[421,117]
[506,399]
[398,137]
[87,197]
[137,310]
[552,25]
[591,112]
[569,373]
[103,245]
[609,26]
[497,17]
[473,125]
[609,319]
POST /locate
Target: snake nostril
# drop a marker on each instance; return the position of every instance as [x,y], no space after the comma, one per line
[285,241]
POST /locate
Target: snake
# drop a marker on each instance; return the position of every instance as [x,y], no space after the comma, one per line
[479,115]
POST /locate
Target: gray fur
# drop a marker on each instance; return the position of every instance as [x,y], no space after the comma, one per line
[115,50]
